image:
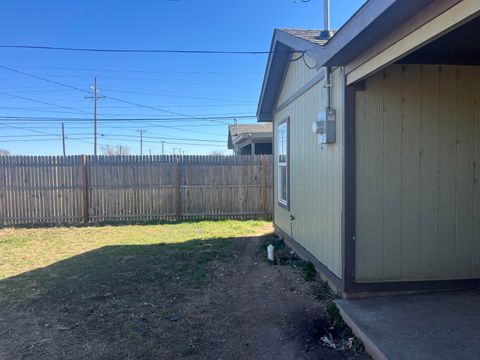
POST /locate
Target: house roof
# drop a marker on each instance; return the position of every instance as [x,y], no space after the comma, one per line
[236,132]
[373,21]
[308,35]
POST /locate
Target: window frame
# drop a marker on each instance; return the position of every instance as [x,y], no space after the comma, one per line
[285,203]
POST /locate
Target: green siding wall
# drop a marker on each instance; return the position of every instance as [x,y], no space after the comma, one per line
[315,170]
[297,76]
[418,150]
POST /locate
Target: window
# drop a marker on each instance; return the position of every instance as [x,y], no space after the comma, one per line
[283,148]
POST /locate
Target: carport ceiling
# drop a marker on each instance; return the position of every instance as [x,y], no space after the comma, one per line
[460,47]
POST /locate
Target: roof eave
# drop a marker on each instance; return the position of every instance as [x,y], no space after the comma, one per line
[344,46]
[280,51]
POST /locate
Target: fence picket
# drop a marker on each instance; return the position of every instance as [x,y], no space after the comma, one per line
[75,189]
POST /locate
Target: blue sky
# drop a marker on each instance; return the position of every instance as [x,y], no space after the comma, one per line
[194,85]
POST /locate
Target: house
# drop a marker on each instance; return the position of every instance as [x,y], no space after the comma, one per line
[377,145]
[251,139]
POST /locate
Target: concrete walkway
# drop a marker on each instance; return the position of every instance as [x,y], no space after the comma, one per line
[443,325]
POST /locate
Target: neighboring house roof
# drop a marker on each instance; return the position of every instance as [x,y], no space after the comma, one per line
[369,24]
[236,132]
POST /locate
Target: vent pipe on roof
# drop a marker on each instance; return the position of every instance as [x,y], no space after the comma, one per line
[326,33]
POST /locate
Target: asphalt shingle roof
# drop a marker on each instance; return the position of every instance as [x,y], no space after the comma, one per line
[235,131]
[308,35]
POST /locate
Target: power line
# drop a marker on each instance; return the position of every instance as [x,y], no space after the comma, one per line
[83,126]
[36,140]
[231,97]
[86,91]
[35,131]
[167,119]
[177,128]
[167,142]
[183,117]
[160,51]
[39,108]
[109,139]
[43,134]
[167,138]
[43,102]
[127,89]
[136,71]
[46,80]
[210,84]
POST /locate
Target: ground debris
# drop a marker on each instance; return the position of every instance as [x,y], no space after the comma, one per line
[337,344]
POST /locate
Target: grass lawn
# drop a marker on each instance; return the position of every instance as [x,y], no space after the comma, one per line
[25,249]
[196,290]
[110,291]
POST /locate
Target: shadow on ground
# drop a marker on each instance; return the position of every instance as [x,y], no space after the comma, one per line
[114,301]
[199,299]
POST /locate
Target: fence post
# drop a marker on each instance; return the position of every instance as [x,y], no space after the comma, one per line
[264,186]
[178,214]
[83,174]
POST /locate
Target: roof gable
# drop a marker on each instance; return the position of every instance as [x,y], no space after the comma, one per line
[370,23]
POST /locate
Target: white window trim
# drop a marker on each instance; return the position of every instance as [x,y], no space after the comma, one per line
[280,199]
[284,202]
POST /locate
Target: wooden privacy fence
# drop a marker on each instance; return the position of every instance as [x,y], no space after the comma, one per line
[75,189]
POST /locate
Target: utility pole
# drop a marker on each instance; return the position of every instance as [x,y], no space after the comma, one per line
[95,97]
[63,139]
[141,140]
[163,147]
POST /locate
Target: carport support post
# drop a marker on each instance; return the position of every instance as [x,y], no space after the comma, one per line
[83,176]
[349,190]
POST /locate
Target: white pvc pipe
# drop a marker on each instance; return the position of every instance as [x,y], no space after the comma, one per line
[270,254]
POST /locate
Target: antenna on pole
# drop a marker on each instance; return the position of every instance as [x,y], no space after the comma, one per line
[326,33]
[95,97]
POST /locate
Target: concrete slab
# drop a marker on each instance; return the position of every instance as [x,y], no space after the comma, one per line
[443,325]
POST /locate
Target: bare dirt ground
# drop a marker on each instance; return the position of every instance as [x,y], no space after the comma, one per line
[244,309]
[266,312]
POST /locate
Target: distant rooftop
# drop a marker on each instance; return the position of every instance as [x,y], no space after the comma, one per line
[238,130]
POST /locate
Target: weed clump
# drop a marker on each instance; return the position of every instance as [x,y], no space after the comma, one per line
[323,292]
[308,269]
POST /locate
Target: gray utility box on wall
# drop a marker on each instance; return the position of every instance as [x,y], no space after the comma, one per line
[326,127]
